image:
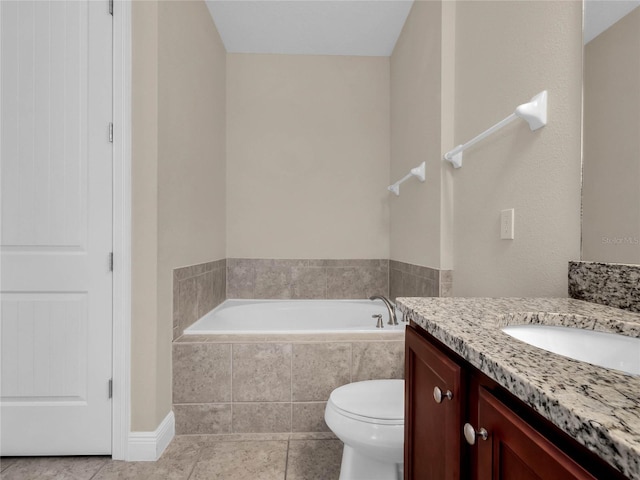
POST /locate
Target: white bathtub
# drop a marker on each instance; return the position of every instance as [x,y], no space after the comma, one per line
[294,316]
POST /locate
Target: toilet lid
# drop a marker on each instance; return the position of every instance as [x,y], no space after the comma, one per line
[375,399]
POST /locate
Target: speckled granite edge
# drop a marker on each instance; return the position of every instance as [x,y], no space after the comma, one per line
[613,284]
[598,407]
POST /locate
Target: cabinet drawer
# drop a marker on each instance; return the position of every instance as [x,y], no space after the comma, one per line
[515,450]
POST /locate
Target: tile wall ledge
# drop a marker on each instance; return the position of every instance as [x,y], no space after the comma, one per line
[197,289]
[392,336]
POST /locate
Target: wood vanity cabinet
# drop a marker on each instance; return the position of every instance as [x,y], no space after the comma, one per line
[515,450]
[520,444]
[433,440]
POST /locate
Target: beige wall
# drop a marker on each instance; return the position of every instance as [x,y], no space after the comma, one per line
[181,184]
[415,136]
[307,156]
[506,52]
[611,172]
[144,225]
[422,70]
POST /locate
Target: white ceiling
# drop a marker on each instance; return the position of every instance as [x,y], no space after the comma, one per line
[310,27]
[346,27]
[601,14]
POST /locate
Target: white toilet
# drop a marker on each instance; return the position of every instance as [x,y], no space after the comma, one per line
[369,419]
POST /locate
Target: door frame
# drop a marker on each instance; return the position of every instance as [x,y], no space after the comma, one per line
[121,406]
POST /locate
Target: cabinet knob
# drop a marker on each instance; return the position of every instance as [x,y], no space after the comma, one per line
[438,395]
[470,434]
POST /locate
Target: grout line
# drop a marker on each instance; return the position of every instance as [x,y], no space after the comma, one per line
[178,312]
[226,280]
[231,385]
[92,476]
[290,418]
[286,461]
[196,461]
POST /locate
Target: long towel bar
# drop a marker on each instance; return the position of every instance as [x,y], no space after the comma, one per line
[534,112]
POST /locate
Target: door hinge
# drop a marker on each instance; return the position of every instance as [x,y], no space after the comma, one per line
[111,261]
[111,388]
[111,132]
[111,7]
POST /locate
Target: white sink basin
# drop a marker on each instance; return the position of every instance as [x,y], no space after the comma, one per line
[609,350]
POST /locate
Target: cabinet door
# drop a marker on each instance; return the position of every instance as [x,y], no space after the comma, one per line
[514,450]
[433,437]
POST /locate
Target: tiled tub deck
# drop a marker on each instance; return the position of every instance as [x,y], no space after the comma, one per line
[242,383]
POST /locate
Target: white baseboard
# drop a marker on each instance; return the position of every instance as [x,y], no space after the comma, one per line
[148,446]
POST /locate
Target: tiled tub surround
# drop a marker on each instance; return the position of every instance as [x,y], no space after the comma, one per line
[197,289]
[612,284]
[257,278]
[409,280]
[235,384]
[598,407]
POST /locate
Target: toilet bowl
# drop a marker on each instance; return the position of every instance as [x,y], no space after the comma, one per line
[369,419]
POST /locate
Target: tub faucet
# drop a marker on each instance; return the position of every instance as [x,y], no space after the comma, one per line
[390,306]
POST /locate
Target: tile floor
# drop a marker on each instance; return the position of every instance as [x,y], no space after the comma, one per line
[195,457]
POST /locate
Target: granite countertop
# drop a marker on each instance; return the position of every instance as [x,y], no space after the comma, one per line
[597,406]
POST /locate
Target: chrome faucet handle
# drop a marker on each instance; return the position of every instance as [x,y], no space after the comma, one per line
[391,307]
[379,324]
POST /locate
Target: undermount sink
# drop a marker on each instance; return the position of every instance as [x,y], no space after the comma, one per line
[609,350]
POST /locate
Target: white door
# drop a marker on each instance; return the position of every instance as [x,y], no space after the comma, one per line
[56,180]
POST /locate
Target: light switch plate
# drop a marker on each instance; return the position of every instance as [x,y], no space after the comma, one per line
[506,224]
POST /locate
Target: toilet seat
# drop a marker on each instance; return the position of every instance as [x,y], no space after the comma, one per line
[379,402]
